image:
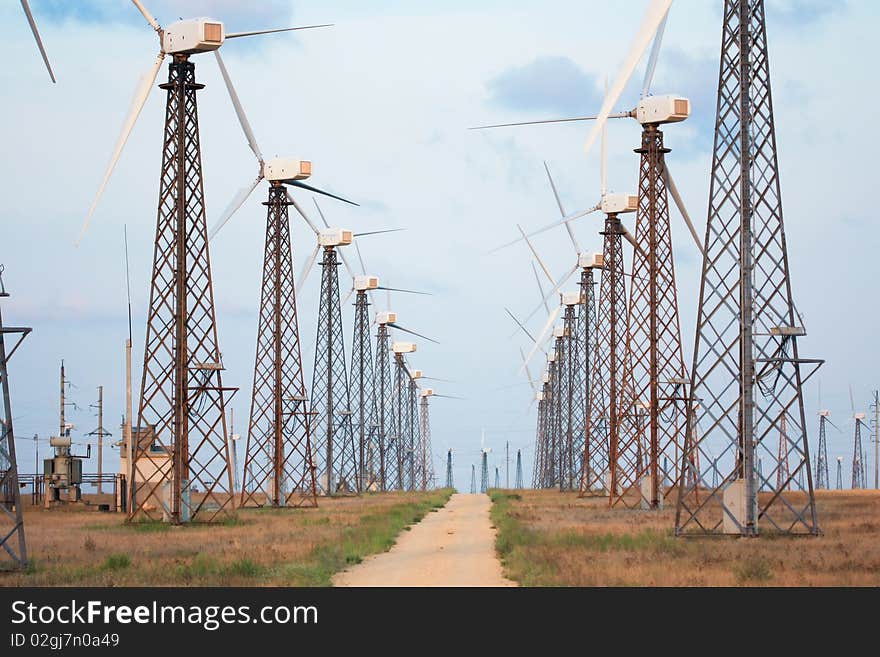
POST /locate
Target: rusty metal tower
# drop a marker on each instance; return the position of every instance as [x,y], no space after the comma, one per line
[279,468]
[335,450]
[449,479]
[402,437]
[822,479]
[484,470]
[12,537]
[384,387]
[370,451]
[518,481]
[426,458]
[747,374]
[858,470]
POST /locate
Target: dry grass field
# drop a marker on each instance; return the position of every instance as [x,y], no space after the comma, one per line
[547,538]
[265,547]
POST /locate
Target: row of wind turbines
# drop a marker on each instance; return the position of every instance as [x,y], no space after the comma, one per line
[360,428]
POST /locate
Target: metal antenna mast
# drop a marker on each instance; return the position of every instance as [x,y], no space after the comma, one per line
[746,374]
[519,471]
[334,438]
[12,538]
[449,479]
[279,468]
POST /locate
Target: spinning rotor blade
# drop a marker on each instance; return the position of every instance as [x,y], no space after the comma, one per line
[535,253]
[140,99]
[302,185]
[632,240]
[236,35]
[564,220]
[400,328]
[397,289]
[540,287]
[670,184]
[239,110]
[656,12]
[33,24]
[547,326]
[562,281]
[525,330]
[379,232]
[301,211]
[152,21]
[652,58]
[577,247]
[307,269]
[357,248]
[237,201]
[616,115]
[348,296]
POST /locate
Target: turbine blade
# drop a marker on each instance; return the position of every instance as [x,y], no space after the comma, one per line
[347,296]
[604,164]
[448,396]
[528,374]
[346,263]
[320,213]
[547,326]
[654,15]
[239,110]
[301,211]
[302,185]
[236,35]
[852,403]
[564,220]
[137,105]
[236,202]
[33,24]
[670,184]
[357,248]
[524,329]
[535,253]
[540,287]
[379,232]
[397,289]
[301,281]
[652,59]
[152,21]
[577,247]
[556,288]
[400,328]
[632,240]
[617,115]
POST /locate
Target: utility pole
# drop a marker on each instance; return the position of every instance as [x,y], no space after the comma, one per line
[876,406]
[507,464]
[100,433]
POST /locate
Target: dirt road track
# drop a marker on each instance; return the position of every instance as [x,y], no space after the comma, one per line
[453,547]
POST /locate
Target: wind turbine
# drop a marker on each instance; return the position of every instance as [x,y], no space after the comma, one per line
[181,412]
[36,32]
[426,468]
[858,471]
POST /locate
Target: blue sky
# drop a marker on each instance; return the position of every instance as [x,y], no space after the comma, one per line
[380,103]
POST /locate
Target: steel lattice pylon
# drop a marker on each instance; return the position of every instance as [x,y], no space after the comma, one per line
[334,444]
[12,537]
[551,423]
[538,478]
[747,375]
[572,391]
[586,351]
[366,428]
[653,408]
[384,391]
[602,428]
[182,464]
[400,429]
[278,469]
[413,461]
[858,472]
[449,480]
[518,483]
[425,455]
[473,488]
[484,472]
[822,480]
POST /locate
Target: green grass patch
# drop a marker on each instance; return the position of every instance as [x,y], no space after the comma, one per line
[375,532]
[116,561]
[753,570]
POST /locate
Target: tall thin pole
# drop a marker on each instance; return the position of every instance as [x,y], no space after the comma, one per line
[100,438]
[126,427]
[876,439]
[507,464]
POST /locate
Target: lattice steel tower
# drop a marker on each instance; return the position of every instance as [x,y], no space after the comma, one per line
[12,538]
[654,373]
[822,479]
[747,374]
[279,467]
[484,471]
[370,449]
[426,459]
[858,470]
[518,483]
[182,409]
[473,480]
[334,443]
[449,480]
[384,391]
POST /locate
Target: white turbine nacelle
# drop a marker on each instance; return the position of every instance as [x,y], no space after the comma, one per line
[559,332]
[335,237]
[403,347]
[571,298]
[539,396]
[545,378]
[591,261]
[551,358]
[193,35]
[825,413]
[427,392]
[286,168]
[619,203]
[663,109]
[363,282]
[859,416]
[386,317]
[416,374]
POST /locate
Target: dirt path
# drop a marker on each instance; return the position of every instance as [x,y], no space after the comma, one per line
[453,547]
